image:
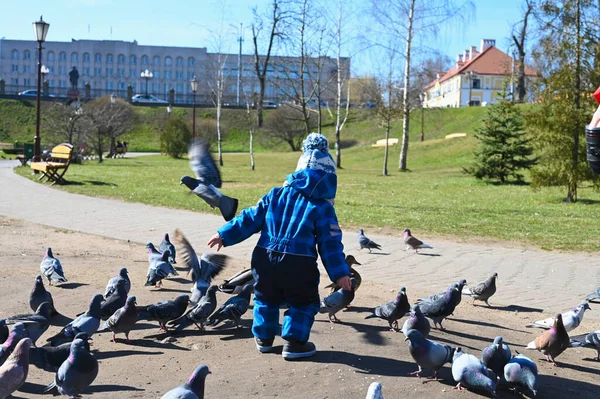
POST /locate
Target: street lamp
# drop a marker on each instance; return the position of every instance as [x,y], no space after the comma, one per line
[41,30]
[113,99]
[147,75]
[194,84]
[169,110]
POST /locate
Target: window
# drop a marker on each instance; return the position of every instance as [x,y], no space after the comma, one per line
[121,59]
[14,55]
[121,72]
[179,88]
[98,57]
[109,84]
[191,62]
[62,83]
[86,71]
[234,72]
[191,75]
[155,86]
[133,86]
[179,61]
[270,71]
[156,75]
[51,69]
[167,74]
[14,81]
[51,83]
[144,60]
[51,56]
[167,87]
[15,68]
[179,75]
[26,55]
[225,72]
[132,73]
[27,68]
[132,59]
[62,70]
[168,61]
[86,57]
[97,72]
[143,86]
[109,58]
[27,82]
[74,57]
[109,72]
[477,83]
[122,85]
[156,60]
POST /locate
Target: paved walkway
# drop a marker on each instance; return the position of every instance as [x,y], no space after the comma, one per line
[546,280]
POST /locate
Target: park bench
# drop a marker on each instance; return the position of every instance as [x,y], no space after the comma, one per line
[56,166]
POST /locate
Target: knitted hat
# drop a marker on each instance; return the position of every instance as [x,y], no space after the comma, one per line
[316,154]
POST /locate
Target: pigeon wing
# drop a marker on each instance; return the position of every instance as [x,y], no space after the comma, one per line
[203,165]
[187,255]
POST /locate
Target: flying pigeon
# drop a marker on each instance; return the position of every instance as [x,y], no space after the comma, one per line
[39,295]
[112,283]
[350,261]
[87,322]
[198,314]
[3,331]
[470,372]
[193,388]
[552,342]
[591,340]
[496,356]
[234,284]
[394,310]
[122,320]
[233,309]
[374,391]
[483,291]
[13,372]
[17,333]
[36,324]
[413,243]
[522,371]
[571,319]
[433,297]
[594,296]
[427,354]
[416,321]
[76,373]
[337,301]
[166,245]
[365,242]
[164,311]
[208,180]
[159,270]
[52,269]
[441,308]
[50,358]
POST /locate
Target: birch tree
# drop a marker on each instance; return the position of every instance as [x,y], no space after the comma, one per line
[520,44]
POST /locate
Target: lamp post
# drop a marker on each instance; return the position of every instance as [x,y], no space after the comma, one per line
[41,30]
[113,99]
[147,75]
[169,110]
[194,84]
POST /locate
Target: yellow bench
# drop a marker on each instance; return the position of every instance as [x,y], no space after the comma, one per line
[56,166]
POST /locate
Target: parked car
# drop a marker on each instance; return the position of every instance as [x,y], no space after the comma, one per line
[147,99]
[33,93]
[268,105]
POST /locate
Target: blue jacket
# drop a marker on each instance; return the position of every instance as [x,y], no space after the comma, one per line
[295,219]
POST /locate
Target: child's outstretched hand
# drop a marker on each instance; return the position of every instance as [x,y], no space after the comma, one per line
[216,240]
[344,282]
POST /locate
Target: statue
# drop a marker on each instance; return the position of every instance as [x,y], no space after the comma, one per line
[74,77]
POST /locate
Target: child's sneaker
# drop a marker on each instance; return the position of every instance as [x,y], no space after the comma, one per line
[296,350]
[264,345]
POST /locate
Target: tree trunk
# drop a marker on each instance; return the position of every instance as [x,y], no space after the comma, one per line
[387,138]
[251,149]
[219,97]
[405,105]
[99,149]
[572,194]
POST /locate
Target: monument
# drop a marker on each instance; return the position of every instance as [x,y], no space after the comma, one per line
[73,78]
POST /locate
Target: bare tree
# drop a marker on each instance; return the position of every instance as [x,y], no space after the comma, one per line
[520,44]
[286,124]
[341,66]
[63,123]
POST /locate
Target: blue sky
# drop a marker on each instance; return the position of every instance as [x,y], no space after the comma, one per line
[188,23]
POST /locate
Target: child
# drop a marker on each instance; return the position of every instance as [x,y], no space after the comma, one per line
[293,221]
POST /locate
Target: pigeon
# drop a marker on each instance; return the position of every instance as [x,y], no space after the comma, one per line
[50,358]
[115,301]
[591,340]
[52,269]
[112,283]
[166,245]
[374,391]
[3,331]
[233,285]
[193,388]
[416,321]
[159,270]
[571,319]
[153,254]
[13,372]
[122,320]
[198,314]
[496,356]
[461,285]
[470,372]
[233,309]
[427,354]
[40,295]
[76,373]
[594,296]
[441,308]
[17,333]
[483,291]
[393,310]
[365,242]
[208,180]
[87,323]
[164,311]
[36,324]
[413,243]
[552,342]
[337,301]
[350,261]
[522,371]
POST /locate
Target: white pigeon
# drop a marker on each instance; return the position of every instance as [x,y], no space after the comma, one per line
[571,319]
[374,391]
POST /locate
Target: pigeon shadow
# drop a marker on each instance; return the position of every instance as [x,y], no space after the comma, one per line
[475,337]
[71,286]
[143,326]
[60,320]
[121,353]
[482,323]
[171,290]
[515,308]
[370,333]
[33,388]
[111,388]
[366,364]
[378,253]
[451,342]
[180,280]
[575,367]
[422,254]
[151,343]
[99,183]
[554,387]
[359,309]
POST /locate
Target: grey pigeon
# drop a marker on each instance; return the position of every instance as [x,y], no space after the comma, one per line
[39,295]
[552,342]
[115,301]
[337,301]
[522,371]
[193,388]
[416,321]
[470,372]
[3,331]
[36,324]
[208,180]
[122,320]
[52,269]
[112,283]
[76,373]
[594,296]
[484,290]
[198,314]
[88,322]
[441,308]
[233,285]
[591,340]
[50,358]
[427,354]
[433,297]
[365,242]
[17,333]
[13,372]
[166,245]
[153,254]
[164,311]
[394,310]
[571,319]
[159,270]
[496,356]
[350,261]
[413,243]
[233,309]
[374,391]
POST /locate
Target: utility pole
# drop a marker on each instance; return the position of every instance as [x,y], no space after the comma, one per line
[239,77]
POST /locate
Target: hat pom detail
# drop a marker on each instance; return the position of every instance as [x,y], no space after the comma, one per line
[315,141]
